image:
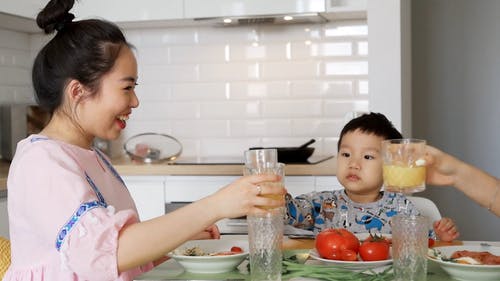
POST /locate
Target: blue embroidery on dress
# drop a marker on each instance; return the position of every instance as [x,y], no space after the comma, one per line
[110,167]
[84,208]
[94,187]
[34,139]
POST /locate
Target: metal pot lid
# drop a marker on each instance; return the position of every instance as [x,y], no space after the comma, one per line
[153,147]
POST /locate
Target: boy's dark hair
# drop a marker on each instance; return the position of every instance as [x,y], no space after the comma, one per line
[371,123]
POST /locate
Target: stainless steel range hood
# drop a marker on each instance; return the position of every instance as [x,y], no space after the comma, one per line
[263,19]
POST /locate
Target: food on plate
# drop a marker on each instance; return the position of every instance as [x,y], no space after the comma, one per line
[236,249]
[330,243]
[474,257]
[197,251]
[431,242]
[341,244]
[374,248]
[348,255]
[466,257]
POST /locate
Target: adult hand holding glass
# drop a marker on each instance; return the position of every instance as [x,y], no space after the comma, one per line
[446,170]
[244,195]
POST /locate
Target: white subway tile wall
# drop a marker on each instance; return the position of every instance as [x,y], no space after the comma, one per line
[15,68]
[223,90]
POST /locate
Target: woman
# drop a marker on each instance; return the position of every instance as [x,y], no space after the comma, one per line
[70,214]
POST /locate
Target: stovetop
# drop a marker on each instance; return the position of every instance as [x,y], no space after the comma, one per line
[236,160]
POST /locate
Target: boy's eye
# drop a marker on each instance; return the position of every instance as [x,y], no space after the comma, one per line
[345,154]
[369,157]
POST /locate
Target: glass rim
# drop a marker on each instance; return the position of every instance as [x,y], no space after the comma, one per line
[272,165]
[404,141]
[413,217]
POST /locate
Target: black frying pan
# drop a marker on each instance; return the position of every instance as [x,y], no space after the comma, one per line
[298,154]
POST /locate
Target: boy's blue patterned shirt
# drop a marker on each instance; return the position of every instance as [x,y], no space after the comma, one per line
[333,209]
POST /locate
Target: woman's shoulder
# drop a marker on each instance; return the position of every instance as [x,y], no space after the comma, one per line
[38,147]
[38,151]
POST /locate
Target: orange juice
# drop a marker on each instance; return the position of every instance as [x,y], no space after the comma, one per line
[401,178]
[273,196]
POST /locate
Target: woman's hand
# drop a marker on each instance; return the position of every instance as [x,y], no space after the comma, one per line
[211,232]
[441,167]
[246,194]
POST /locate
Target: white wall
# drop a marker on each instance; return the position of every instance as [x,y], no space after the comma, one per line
[223,90]
[15,67]
[456,69]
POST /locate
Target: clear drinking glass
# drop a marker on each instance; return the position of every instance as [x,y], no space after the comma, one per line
[261,158]
[269,168]
[409,247]
[265,239]
[265,230]
[403,168]
[404,165]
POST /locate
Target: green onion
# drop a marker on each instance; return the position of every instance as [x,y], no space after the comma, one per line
[293,269]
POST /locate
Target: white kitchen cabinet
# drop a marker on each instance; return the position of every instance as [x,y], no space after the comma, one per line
[23,8]
[4,219]
[152,193]
[223,8]
[346,5]
[112,10]
[192,188]
[148,193]
[130,10]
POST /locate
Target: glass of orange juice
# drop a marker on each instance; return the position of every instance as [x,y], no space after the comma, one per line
[265,230]
[404,165]
[264,161]
[273,169]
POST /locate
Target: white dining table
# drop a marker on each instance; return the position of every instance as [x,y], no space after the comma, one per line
[171,270]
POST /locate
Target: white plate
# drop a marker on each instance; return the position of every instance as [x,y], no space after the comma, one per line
[467,271]
[356,265]
[211,264]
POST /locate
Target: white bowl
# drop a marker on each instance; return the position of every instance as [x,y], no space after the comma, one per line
[211,264]
[467,272]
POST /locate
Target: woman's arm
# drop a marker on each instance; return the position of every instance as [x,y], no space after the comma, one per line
[147,241]
[444,169]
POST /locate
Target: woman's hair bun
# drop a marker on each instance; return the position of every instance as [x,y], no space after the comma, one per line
[55,15]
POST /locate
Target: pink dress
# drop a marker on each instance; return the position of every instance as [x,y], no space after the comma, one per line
[66,207]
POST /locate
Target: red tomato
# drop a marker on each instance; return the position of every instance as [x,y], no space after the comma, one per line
[236,249]
[431,242]
[331,242]
[374,248]
[348,255]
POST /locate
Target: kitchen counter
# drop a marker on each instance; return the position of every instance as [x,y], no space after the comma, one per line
[126,167]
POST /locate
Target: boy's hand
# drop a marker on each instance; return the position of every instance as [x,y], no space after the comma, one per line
[446,230]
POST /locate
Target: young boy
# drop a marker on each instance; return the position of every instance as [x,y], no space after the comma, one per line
[361,206]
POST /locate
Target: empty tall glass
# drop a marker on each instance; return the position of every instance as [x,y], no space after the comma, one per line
[409,247]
